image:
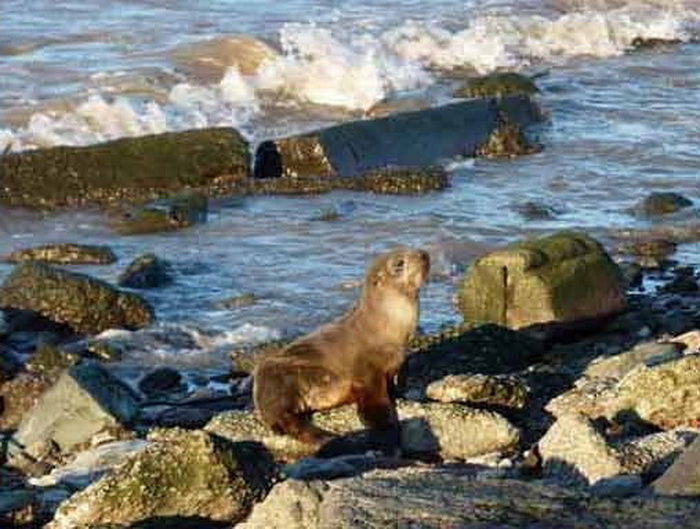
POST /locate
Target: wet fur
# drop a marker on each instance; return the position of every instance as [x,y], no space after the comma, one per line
[351,360]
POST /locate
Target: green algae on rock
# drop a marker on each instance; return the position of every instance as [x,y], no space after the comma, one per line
[562,279]
[67,253]
[174,213]
[125,170]
[85,304]
[498,84]
[183,475]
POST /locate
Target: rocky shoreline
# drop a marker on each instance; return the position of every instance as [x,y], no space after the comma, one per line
[568,397]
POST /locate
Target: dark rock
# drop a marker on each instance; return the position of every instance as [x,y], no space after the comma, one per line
[487,349]
[65,254]
[19,508]
[410,139]
[146,271]
[566,278]
[499,84]
[179,475]
[653,43]
[50,361]
[127,169]
[533,210]
[236,302]
[84,401]
[662,204]
[170,214]
[683,478]
[632,274]
[683,282]
[87,305]
[507,140]
[161,380]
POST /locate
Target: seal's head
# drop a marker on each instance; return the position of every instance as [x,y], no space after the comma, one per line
[404,270]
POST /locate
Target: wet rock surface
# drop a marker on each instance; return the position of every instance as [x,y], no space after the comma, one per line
[146,271]
[85,304]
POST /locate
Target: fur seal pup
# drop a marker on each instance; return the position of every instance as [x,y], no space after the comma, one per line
[351,360]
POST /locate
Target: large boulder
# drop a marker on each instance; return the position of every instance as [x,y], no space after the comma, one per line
[65,254]
[184,476]
[444,497]
[85,400]
[127,169]
[410,139]
[87,305]
[450,430]
[566,278]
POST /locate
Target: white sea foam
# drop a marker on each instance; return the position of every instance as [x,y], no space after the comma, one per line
[354,69]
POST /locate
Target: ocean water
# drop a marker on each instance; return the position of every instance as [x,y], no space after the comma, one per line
[624,122]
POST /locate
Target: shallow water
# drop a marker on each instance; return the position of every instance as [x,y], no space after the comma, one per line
[622,124]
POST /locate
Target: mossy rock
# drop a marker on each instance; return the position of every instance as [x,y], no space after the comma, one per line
[175,213]
[85,304]
[146,271]
[181,475]
[507,141]
[65,254]
[498,85]
[50,361]
[125,170]
[662,204]
[562,279]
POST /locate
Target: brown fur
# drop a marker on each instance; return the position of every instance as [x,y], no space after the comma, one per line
[351,360]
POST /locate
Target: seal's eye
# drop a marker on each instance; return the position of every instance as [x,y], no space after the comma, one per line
[397,265]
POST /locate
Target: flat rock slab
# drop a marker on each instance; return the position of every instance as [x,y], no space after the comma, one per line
[85,400]
[451,430]
[442,498]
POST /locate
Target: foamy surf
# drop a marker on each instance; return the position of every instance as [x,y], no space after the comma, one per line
[353,70]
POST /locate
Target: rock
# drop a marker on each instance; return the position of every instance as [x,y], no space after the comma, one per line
[574,452]
[499,84]
[534,210]
[662,204]
[64,254]
[10,364]
[161,380]
[646,353]
[480,389]
[170,214]
[125,170]
[208,60]
[690,341]
[651,455]
[649,253]
[410,139]
[653,43]
[507,140]
[50,361]
[632,275]
[146,271]
[451,430]
[683,282]
[683,478]
[90,465]
[237,302]
[446,497]
[622,486]
[487,349]
[183,475]
[398,180]
[87,305]
[84,401]
[20,395]
[666,395]
[564,279]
